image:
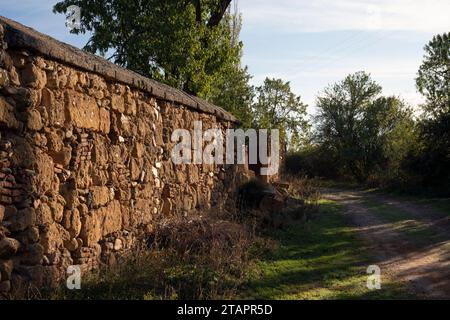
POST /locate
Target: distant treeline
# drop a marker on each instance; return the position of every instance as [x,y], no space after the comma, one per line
[363,136]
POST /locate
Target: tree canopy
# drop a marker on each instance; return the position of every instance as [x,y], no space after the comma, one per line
[433,79]
[355,123]
[277,107]
[186,44]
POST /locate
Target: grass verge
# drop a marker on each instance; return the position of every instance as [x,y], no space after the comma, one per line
[322,259]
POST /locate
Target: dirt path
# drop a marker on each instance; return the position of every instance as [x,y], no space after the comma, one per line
[410,242]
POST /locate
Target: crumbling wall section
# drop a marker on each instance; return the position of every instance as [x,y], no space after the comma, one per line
[85,166]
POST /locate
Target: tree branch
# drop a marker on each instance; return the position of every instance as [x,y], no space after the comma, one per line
[218,14]
[198,11]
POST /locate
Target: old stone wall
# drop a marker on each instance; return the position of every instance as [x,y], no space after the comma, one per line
[85,167]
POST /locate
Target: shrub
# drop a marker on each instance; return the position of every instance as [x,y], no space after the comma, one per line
[183,259]
[313,161]
[251,193]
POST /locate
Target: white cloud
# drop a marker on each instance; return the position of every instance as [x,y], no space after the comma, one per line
[328,15]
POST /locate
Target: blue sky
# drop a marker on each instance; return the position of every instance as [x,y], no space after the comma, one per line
[309,43]
[315,43]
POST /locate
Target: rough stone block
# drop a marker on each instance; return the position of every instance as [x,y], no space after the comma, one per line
[8,247]
[100,196]
[117,103]
[33,77]
[7,117]
[83,110]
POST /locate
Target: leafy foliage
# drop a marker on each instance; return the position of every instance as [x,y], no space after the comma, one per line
[277,107]
[232,89]
[185,44]
[359,128]
[428,165]
[433,79]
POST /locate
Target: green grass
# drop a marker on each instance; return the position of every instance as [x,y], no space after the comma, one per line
[322,259]
[325,183]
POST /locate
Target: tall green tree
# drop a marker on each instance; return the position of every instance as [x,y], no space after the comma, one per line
[184,43]
[433,79]
[357,125]
[430,162]
[233,90]
[277,107]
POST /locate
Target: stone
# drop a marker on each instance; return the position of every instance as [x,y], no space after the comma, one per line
[131,107]
[10,212]
[23,219]
[100,196]
[100,154]
[4,79]
[34,120]
[6,269]
[83,110]
[104,147]
[63,156]
[44,166]
[33,234]
[71,245]
[14,77]
[155,172]
[5,286]
[72,222]
[167,207]
[111,218]
[117,103]
[33,255]
[72,80]
[105,121]
[90,229]
[6,61]
[7,117]
[8,247]
[57,78]
[193,174]
[57,211]
[54,141]
[118,244]
[53,238]
[44,215]
[135,169]
[33,77]
[187,203]
[138,150]
[28,236]
[54,108]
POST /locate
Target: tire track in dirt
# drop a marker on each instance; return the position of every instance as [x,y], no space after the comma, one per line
[424,270]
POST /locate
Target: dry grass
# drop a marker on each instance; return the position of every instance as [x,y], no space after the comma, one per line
[303,188]
[198,258]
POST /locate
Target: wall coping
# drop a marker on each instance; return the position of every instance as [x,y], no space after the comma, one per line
[17,35]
